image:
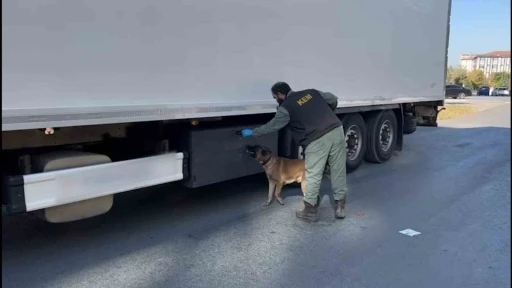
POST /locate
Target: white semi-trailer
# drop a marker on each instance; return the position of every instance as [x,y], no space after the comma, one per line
[104,97]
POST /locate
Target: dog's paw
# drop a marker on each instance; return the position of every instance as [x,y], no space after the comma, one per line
[280,200]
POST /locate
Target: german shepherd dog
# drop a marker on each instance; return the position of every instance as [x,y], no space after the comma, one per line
[280,171]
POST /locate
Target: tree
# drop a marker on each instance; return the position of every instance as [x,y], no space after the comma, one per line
[456,75]
[500,79]
[467,83]
[476,78]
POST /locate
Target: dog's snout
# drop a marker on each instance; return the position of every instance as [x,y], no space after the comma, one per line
[251,150]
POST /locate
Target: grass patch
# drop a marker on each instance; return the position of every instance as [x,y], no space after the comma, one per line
[456,110]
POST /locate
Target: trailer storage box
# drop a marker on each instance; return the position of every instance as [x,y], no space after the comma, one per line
[219,154]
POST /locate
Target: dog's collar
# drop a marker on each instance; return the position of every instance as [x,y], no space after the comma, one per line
[266,162]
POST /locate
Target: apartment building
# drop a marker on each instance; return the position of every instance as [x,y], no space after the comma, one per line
[496,61]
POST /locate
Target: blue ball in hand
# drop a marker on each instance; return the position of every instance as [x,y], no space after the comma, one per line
[246,132]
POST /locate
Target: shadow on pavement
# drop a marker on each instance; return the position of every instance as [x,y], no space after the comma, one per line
[39,254]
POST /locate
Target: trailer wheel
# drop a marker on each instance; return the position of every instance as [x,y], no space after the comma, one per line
[355,136]
[409,123]
[382,136]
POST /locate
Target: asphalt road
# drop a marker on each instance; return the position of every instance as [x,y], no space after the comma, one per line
[451,183]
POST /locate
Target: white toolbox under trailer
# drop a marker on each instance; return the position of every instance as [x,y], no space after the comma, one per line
[103,97]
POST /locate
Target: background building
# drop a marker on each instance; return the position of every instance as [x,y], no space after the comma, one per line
[496,61]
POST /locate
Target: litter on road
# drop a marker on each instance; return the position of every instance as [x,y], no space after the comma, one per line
[410,232]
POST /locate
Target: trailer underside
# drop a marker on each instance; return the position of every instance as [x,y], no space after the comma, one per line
[73,173]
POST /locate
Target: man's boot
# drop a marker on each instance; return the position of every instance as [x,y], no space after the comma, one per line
[339,211]
[318,200]
[308,213]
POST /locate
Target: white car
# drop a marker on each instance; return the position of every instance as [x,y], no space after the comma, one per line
[500,91]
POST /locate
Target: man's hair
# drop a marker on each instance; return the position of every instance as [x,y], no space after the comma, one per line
[281,87]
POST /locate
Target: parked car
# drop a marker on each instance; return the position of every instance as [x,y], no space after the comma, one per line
[501,91]
[483,91]
[456,91]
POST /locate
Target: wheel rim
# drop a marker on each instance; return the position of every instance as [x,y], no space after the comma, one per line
[299,156]
[462,95]
[353,138]
[386,135]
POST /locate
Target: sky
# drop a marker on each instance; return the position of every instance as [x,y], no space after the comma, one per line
[478,26]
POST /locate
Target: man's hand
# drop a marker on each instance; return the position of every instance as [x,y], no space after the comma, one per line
[246,132]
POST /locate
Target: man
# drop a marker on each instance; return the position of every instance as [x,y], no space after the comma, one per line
[314,125]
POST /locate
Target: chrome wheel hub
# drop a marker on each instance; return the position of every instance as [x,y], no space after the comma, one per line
[385,136]
[353,138]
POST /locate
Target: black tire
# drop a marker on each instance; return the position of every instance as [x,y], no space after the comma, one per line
[355,130]
[375,153]
[409,124]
